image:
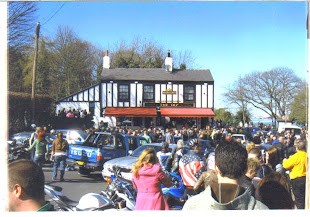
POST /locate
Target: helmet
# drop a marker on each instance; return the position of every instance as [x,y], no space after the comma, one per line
[193,143]
[164,146]
[93,201]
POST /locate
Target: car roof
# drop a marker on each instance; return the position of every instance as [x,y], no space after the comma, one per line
[160,144]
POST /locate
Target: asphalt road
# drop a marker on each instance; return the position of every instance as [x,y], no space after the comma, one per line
[75,185]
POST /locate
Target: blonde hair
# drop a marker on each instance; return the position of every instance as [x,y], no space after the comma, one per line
[253,164]
[249,146]
[148,156]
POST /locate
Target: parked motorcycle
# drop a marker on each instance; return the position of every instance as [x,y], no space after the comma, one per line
[120,191]
[17,151]
[175,195]
[88,202]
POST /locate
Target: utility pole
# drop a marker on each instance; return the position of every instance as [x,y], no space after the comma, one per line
[34,69]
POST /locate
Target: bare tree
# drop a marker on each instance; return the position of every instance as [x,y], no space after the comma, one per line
[271,91]
[21,23]
[146,53]
[236,95]
[183,59]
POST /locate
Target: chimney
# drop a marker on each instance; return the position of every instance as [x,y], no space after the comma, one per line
[168,62]
[106,60]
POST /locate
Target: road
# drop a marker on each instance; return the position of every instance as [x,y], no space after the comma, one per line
[75,185]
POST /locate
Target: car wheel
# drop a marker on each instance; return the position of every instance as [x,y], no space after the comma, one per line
[83,171]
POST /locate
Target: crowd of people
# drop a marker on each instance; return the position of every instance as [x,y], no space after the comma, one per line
[229,175]
[73,118]
[234,175]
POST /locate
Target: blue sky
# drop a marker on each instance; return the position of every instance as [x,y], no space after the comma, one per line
[229,38]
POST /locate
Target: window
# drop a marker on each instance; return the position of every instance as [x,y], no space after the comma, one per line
[148,92]
[189,92]
[123,92]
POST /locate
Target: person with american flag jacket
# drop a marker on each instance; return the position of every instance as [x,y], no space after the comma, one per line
[192,164]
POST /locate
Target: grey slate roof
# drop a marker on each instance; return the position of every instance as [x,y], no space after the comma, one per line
[156,74]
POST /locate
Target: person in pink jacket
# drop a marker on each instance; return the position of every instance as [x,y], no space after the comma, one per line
[147,178]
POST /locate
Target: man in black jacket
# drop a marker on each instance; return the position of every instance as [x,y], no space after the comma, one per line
[282,153]
[246,180]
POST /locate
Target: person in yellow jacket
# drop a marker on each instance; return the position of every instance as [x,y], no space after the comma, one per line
[297,165]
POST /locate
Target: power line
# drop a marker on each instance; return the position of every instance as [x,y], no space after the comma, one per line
[54,14]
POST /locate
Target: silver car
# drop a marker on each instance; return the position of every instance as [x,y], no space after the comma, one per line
[126,162]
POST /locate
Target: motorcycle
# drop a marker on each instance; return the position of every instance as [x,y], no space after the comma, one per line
[175,195]
[17,151]
[88,202]
[120,191]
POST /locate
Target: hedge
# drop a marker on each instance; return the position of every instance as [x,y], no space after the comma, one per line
[20,111]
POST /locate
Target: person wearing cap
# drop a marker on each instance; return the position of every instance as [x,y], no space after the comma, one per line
[163,154]
[191,165]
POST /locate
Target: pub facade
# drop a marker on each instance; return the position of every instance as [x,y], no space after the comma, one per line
[147,97]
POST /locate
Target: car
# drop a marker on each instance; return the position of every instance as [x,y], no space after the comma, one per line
[125,163]
[242,137]
[73,136]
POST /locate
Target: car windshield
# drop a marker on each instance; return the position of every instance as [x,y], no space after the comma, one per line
[50,138]
[20,137]
[83,134]
[138,151]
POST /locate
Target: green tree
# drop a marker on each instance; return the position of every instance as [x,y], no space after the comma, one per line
[223,115]
[299,107]
[44,69]
[242,116]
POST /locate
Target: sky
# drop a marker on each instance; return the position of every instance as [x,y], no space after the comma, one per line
[231,39]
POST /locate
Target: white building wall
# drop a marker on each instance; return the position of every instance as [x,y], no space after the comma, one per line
[204,95]
[210,96]
[74,98]
[157,93]
[169,96]
[163,96]
[103,95]
[198,96]
[181,97]
[114,102]
[139,94]
[80,96]
[86,95]
[91,94]
[109,102]
[97,93]
[133,95]
[175,96]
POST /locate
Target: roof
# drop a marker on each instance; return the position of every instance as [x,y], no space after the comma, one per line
[156,74]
